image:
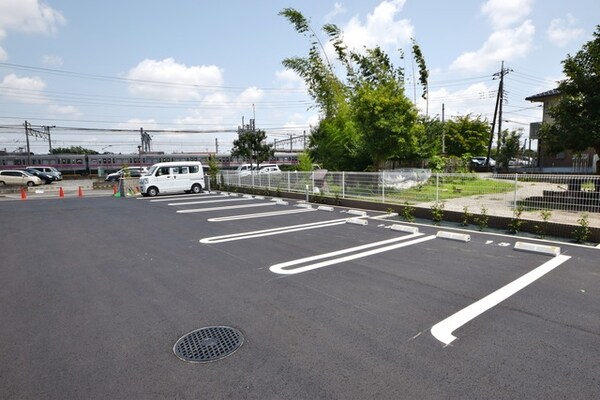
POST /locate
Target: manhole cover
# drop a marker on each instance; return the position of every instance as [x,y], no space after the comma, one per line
[208,344]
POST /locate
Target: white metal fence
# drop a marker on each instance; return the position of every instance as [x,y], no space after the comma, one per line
[563,198]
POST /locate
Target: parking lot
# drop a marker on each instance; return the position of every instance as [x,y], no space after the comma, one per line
[330,303]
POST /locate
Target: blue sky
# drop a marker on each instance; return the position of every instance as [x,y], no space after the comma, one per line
[202,66]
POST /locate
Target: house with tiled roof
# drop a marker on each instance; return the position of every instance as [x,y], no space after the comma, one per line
[565,161]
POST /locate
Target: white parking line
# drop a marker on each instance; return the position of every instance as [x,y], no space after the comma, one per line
[279,268]
[272,231]
[442,331]
[258,215]
[177,196]
[187,203]
[199,210]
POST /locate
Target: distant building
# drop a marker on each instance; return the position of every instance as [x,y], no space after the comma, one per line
[565,161]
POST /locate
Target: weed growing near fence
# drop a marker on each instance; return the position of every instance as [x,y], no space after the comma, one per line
[482,219]
[583,232]
[540,229]
[466,216]
[437,212]
[514,226]
[408,212]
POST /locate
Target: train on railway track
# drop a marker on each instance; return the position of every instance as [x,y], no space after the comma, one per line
[102,164]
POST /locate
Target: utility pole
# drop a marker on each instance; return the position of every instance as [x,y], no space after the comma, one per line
[27,140]
[497,111]
[216,146]
[47,129]
[443,130]
[29,131]
[146,139]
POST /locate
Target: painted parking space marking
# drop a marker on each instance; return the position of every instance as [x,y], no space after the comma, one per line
[442,331]
[272,231]
[177,196]
[259,215]
[199,210]
[403,242]
[187,203]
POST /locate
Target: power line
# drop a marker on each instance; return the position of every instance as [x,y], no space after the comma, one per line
[81,75]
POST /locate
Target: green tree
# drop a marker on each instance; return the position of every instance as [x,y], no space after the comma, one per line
[576,115]
[213,171]
[73,150]
[252,147]
[305,162]
[365,119]
[510,146]
[381,110]
[466,135]
[430,138]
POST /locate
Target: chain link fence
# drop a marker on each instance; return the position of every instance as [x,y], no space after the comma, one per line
[559,198]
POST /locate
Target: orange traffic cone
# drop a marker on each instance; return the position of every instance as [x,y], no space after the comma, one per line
[23,194]
[61,192]
[80,192]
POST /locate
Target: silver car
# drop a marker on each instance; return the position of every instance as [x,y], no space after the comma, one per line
[21,178]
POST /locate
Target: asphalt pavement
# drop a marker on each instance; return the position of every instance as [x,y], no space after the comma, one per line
[96,291]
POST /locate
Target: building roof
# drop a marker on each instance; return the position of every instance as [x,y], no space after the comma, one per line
[543,95]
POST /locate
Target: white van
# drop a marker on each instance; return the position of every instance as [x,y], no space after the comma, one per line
[173,177]
[245,169]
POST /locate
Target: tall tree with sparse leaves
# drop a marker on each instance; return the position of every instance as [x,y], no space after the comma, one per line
[365,119]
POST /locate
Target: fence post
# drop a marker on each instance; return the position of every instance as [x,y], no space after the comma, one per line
[437,188]
[313,181]
[383,186]
[289,183]
[515,195]
[343,184]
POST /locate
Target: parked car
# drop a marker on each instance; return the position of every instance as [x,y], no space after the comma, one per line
[480,161]
[173,177]
[269,169]
[16,177]
[245,169]
[46,178]
[127,172]
[56,174]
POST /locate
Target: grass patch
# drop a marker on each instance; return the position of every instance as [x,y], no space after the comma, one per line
[448,189]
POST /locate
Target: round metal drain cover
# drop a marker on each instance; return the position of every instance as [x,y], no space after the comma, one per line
[208,344]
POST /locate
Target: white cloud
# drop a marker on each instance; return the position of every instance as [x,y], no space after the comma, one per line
[504,13]
[476,99]
[338,9]
[288,79]
[29,16]
[24,89]
[64,110]
[380,28]
[251,95]
[52,61]
[168,80]
[562,31]
[506,44]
